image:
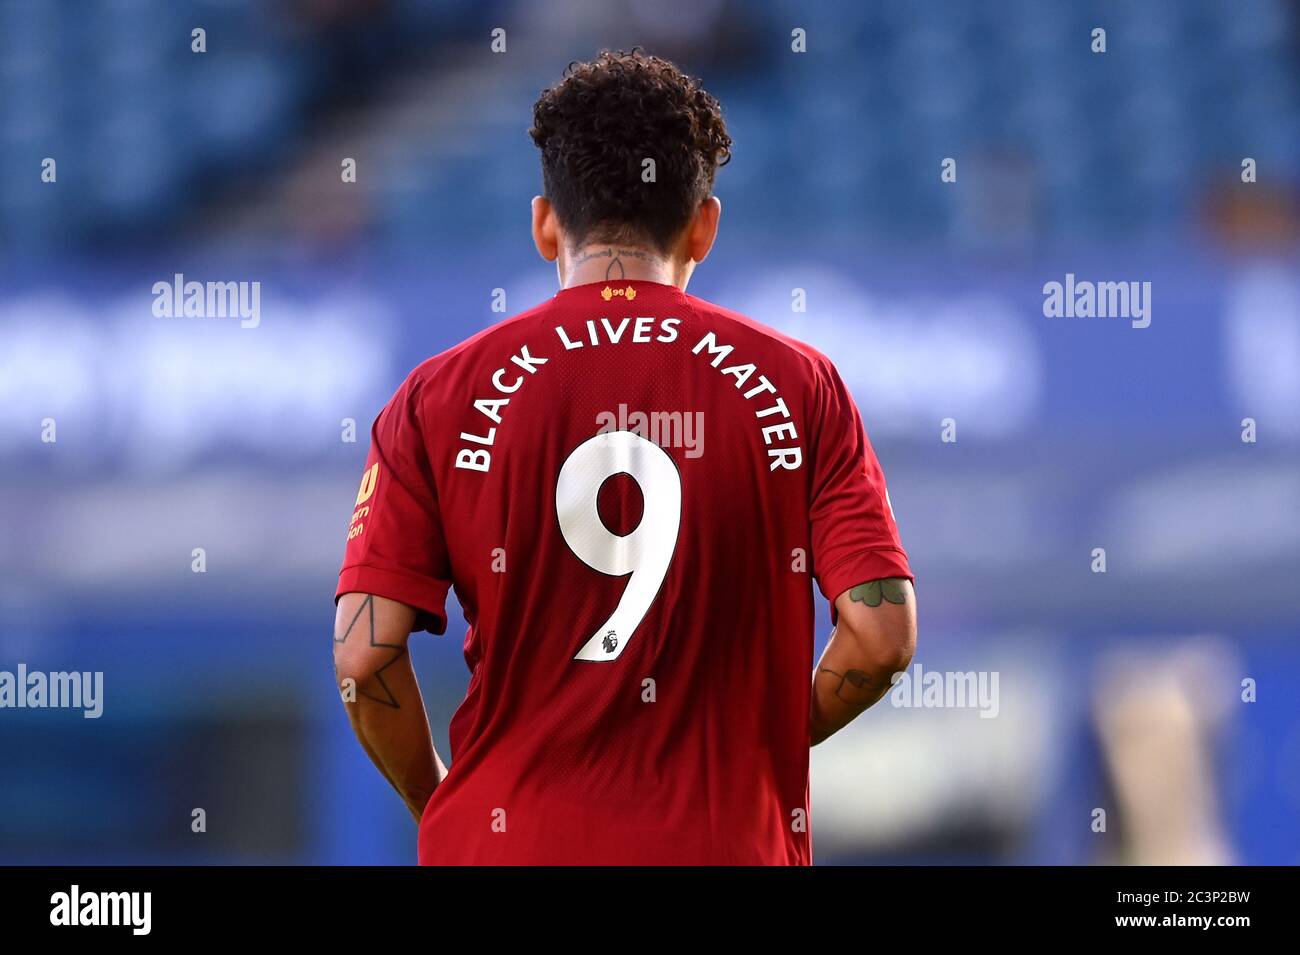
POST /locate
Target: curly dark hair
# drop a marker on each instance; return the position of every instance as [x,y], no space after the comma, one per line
[597,126]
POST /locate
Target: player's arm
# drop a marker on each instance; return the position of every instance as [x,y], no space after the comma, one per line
[874,638]
[381,696]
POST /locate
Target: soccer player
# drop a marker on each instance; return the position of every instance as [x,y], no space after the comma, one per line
[632,491]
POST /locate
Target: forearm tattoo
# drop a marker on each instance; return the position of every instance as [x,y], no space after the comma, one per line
[853,685]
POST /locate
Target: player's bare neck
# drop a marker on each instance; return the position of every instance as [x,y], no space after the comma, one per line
[613,262]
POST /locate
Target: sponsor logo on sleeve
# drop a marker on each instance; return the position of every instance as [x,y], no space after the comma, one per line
[362,509]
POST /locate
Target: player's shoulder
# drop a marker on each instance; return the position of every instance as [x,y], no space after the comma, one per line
[798,353]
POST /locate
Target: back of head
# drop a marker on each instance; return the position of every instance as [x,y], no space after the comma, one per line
[597,128]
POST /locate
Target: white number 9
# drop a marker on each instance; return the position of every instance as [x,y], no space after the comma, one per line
[646,552]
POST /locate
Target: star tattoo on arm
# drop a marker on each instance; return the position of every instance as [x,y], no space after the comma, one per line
[375,687]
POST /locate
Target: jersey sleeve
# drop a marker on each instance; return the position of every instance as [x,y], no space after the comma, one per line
[854,537]
[396,546]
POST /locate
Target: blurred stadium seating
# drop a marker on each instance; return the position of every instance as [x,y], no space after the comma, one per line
[1125,142]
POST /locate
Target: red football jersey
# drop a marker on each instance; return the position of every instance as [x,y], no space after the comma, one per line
[631,490]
